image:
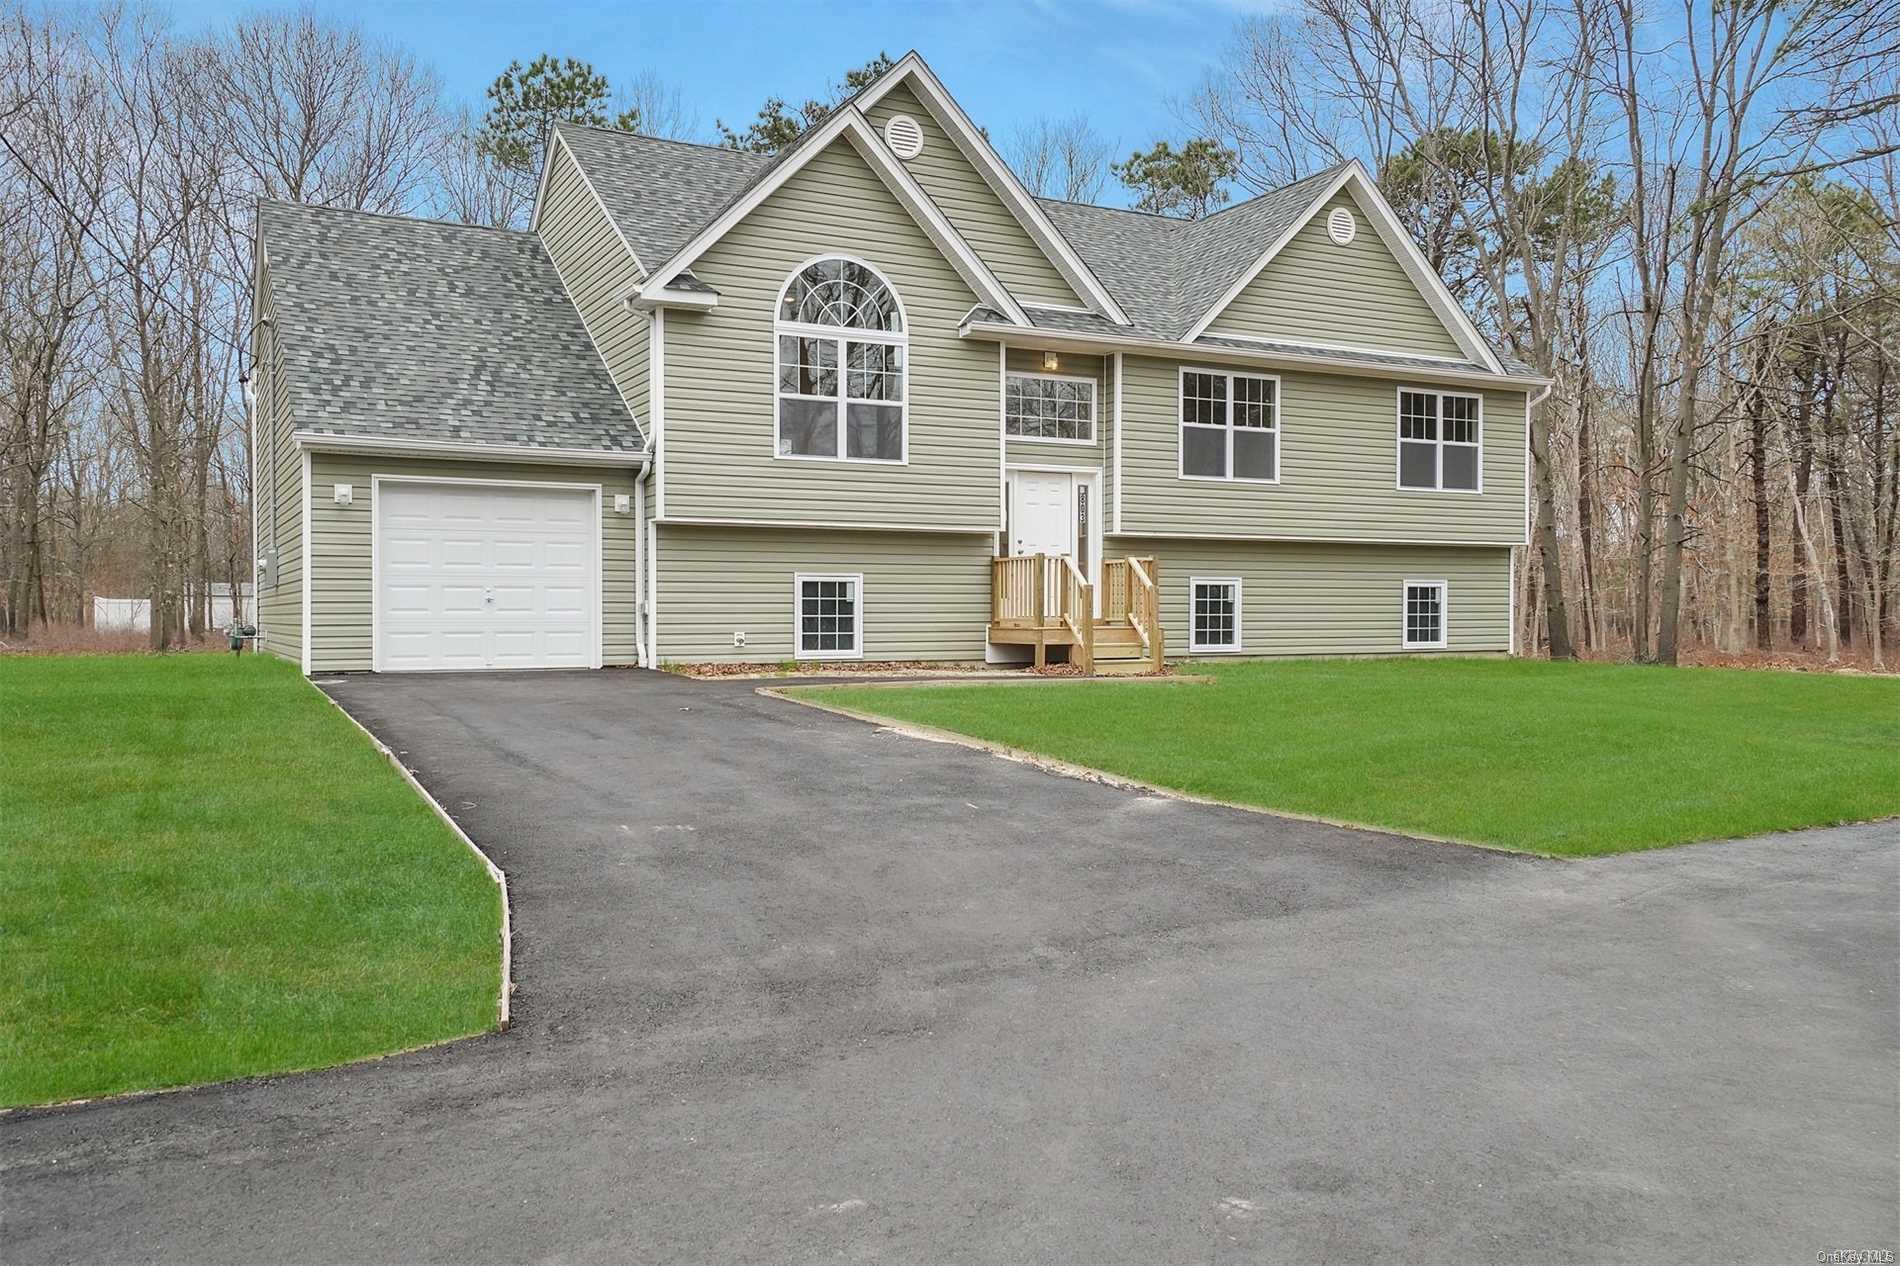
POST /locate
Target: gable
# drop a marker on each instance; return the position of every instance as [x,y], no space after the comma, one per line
[598,269]
[1357,295]
[969,203]
[834,205]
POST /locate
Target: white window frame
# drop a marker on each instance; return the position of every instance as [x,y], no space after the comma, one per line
[1095,390]
[1198,647]
[1405,613]
[1438,444]
[1180,425]
[840,335]
[798,614]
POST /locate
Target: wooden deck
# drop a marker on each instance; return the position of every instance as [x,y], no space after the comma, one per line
[1044,600]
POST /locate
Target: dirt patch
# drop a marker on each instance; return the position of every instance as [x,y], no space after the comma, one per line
[75,639]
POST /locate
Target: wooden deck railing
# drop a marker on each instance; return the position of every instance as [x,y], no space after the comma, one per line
[1078,612]
[1050,593]
[1019,590]
[1144,608]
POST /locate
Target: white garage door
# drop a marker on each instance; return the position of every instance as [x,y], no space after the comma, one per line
[485,576]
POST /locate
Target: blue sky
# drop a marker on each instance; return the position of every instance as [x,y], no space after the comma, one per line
[1006,60]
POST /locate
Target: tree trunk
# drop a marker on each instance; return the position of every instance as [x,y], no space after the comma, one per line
[1557,620]
[1801,438]
[1758,484]
[1586,511]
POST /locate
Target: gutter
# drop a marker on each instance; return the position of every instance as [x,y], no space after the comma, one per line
[1075,341]
[380,446]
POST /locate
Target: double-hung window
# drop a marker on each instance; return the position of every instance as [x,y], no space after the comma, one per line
[830,616]
[1424,619]
[1049,407]
[1230,426]
[1216,614]
[1440,441]
[841,365]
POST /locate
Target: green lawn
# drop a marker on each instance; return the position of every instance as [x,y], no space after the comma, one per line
[210,873]
[1571,759]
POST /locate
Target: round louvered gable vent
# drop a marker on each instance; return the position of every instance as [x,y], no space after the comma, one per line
[1340,226]
[905,136]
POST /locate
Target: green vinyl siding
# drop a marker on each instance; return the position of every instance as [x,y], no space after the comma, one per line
[925,595]
[719,436]
[969,203]
[1338,467]
[1020,451]
[1357,295]
[598,271]
[279,485]
[340,578]
[1301,599]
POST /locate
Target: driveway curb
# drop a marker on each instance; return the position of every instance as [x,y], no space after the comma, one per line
[1088,773]
[494,871]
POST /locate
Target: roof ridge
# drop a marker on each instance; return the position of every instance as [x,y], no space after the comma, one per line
[663,140]
[397,216]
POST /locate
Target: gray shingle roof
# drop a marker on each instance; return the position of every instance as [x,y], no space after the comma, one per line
[1166,273]
[412,329]
[659,192]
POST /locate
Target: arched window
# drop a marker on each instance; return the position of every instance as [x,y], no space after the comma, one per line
[839,314]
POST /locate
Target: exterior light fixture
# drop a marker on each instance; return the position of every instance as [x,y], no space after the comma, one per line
[1049,361]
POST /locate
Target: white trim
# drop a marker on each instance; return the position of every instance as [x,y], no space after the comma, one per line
[1092,475]
[832,524]
[1095,390]
[1118,441]
[377,446]
[1510,596]
[1169,349]
[376,482]
[1429,284]
[1438,445]
[1138,534]
[547,165]
[656,407]
[1180,448]
[640,570]
[841,335]
[696,300]
[996,173]
[306,558]
[1350,348]
[653,593]
[1002,449]
[1444,615]
[857,614]
[1240,629]
[849,122]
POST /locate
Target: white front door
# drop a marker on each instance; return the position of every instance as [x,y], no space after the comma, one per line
[1042,512]
[472,575]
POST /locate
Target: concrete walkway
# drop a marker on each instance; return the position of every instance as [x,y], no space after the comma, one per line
[794,988]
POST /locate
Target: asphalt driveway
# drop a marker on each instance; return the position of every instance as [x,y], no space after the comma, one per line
[795,988]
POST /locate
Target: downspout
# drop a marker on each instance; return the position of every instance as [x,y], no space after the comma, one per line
[642,644]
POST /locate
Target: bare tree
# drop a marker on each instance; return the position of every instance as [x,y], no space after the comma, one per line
[1060,158]
[471,187]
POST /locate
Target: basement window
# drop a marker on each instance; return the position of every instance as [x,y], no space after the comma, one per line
[830,616]
[1424,627]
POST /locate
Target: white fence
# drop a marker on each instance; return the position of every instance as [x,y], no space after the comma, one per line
[136,613]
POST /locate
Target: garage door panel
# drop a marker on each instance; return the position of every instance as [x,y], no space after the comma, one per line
[486,576]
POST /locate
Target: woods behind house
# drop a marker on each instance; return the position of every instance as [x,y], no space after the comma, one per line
[1687,216]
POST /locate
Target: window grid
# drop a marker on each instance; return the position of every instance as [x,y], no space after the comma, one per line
[1216,614]
[828,617]
[1440,438]
[1041,407]
[1424,613]
[1230,427]
[841,352]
